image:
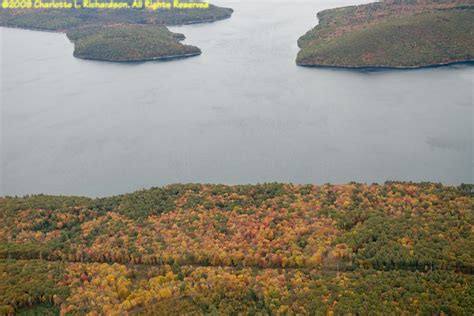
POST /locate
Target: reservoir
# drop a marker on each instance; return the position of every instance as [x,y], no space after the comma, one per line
[242,112]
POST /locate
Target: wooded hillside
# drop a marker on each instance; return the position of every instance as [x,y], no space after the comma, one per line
[271,248]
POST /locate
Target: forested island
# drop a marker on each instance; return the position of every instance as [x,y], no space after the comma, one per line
[269,249]
[129,43]
[132,34]
[391,34]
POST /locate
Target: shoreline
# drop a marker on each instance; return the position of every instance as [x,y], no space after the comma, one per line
[382,67]
[34,29]
[37,29]
[137,61]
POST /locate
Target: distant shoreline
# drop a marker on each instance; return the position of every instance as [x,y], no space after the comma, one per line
[65,30]
[381,67]
[136,61]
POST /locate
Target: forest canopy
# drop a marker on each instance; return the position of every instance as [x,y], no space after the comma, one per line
[269,249]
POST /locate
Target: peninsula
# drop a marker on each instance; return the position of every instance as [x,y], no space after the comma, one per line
[391,34]
[129,34]
[130,42]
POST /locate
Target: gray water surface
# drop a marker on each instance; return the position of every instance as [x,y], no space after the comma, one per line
[242,112]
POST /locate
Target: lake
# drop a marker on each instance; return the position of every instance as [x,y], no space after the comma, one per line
[240,113]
